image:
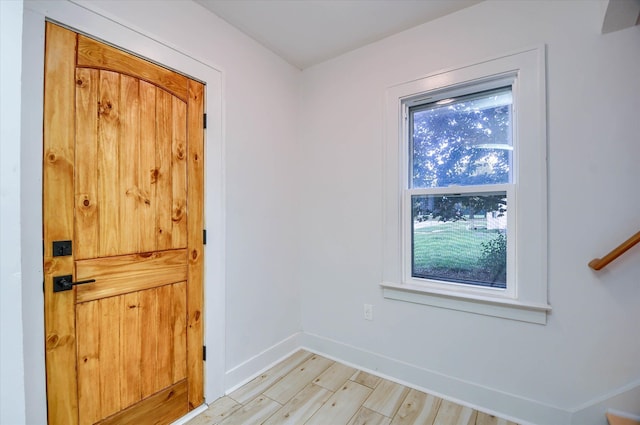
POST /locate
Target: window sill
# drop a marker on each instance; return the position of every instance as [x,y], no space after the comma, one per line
[504,308]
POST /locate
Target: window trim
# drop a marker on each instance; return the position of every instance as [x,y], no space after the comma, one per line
[525,72]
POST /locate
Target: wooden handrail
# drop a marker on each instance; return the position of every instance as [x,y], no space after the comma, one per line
[599,263]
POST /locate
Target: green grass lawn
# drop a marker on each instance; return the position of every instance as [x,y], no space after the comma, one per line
[452,250]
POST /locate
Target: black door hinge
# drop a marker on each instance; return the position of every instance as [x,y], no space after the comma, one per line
[204,120]
[204,236]
[204,353]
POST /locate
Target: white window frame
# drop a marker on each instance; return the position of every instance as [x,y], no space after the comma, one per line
[525,298]
[478,86]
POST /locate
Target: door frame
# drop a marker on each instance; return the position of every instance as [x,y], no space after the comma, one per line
[90,20]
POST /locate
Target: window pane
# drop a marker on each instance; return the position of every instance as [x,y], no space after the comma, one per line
[460,238]
[462,141]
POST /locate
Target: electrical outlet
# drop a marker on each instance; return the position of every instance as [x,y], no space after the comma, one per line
[368,312]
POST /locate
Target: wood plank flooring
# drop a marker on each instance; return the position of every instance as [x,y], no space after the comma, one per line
[308,389]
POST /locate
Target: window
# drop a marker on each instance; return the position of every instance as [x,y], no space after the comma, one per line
[460,174]
[465,192]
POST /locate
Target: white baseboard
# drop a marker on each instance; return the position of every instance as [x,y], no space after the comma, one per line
[624,401]
[249,369]
[508,406]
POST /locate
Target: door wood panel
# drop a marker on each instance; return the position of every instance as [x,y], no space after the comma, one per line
[136,351]
[132,176]
[195,253]
[170,402]
[127,273]
[123,172]
[93,54]
[58,214]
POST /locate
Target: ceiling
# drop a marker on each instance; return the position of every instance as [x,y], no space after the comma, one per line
[307,32]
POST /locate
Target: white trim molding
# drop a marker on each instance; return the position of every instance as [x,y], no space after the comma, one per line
[525,312]
[244,372]
[525,298]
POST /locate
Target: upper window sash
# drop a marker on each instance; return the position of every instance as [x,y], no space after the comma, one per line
[463,140]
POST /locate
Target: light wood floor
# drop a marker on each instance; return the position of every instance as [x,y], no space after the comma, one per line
[309,389]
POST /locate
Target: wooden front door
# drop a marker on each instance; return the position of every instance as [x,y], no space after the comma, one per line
[123,177]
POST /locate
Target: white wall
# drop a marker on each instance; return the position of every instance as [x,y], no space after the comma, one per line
[12,396]
[590,347]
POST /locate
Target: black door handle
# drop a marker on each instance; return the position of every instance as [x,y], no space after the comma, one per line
[64,283]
